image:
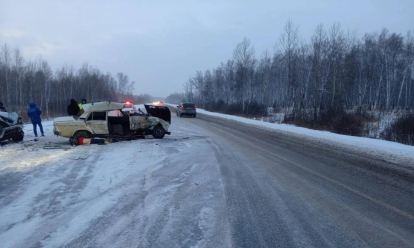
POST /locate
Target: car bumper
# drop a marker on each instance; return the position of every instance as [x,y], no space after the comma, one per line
[187,111]
[7,132]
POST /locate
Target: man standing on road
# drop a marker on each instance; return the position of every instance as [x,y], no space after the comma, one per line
[2,108]
[34,114]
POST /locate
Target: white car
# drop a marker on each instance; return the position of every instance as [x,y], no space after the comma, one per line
[108,120]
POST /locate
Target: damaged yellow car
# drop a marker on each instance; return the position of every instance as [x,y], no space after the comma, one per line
[116,121]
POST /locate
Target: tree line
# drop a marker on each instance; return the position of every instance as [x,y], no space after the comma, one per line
[333,71]
[22,82]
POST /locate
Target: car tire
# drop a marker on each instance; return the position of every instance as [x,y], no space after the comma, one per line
[194,116]
[158,132]
[18,136]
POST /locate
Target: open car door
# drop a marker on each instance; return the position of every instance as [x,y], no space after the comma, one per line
[161,112]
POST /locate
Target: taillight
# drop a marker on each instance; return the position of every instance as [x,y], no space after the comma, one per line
[195,106]
[182,107]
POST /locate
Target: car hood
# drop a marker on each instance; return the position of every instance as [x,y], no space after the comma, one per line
[8,119]
[161,112]
[64,119]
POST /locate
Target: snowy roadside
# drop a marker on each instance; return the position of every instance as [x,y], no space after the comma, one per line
[131,193]
[392,150]
[30,153]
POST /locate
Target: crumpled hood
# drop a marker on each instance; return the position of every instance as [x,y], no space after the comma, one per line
[9,118]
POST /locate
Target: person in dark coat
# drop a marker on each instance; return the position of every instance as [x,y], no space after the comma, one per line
[73,107]
[2,108]
[34,114]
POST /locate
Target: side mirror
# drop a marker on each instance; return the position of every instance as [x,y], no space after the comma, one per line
[178,106]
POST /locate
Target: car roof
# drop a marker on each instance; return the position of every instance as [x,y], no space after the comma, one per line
[102,106]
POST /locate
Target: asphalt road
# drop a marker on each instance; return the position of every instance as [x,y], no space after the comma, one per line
[287,192]
[212,183]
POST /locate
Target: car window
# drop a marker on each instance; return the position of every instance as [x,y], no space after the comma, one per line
[97,116]
[188,105]
[115,113]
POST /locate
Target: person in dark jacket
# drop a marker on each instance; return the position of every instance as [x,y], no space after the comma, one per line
[73,107]
[2,108]
[34,114]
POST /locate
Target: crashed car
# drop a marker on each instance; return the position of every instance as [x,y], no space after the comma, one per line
[11,126]
[112,120]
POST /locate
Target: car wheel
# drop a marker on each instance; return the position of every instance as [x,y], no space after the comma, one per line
[194,116]
[158,132]
[18,136]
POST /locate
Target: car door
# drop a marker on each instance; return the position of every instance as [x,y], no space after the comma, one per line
[97,121]
[139,122]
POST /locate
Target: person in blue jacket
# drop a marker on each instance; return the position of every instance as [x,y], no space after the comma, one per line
[34,114]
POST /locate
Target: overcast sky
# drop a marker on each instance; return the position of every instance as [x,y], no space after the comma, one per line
[160,44]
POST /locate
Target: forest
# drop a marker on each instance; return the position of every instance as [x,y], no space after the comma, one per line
[22,82]
[313,82]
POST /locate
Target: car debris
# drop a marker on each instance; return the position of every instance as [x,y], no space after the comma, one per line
[11,126]
[50,147]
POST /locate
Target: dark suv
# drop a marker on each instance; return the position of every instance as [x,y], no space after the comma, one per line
[186,108]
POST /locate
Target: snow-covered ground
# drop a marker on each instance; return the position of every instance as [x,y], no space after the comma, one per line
[144,188]
[394,150]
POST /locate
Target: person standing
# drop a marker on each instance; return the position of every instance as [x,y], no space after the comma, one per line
[73,107]
[34,114]
[80,105]
[83,101]
[2,108]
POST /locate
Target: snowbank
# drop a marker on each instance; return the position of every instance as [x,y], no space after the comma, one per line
[368,144]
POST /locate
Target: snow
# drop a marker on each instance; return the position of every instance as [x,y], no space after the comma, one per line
[112,195]
[393,149]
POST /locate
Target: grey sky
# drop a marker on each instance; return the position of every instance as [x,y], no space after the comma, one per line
[160,44]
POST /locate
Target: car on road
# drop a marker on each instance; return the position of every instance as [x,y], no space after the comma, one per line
[11,126]
[186,108]
[110,120]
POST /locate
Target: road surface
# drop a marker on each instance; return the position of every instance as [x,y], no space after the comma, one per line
[212,183]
